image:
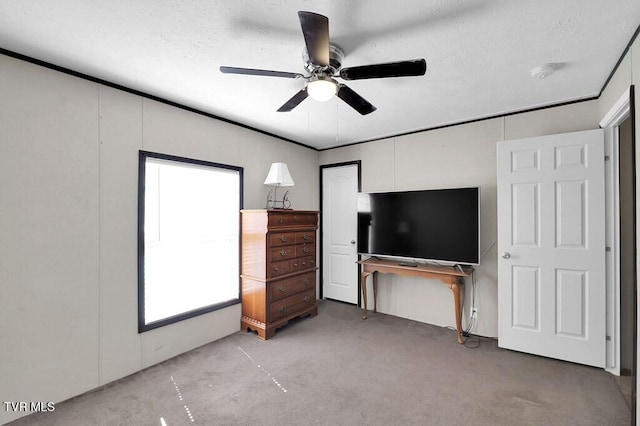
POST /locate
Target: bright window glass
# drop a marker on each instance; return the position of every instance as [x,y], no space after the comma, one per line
[191,238]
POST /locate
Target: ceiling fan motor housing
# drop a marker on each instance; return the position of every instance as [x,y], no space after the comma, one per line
[336,56]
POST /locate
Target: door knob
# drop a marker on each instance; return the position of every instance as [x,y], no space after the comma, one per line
[506,255]
[353,241]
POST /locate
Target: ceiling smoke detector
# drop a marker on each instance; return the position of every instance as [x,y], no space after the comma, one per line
[543,71]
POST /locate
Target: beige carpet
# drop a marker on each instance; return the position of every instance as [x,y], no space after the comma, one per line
[336,369]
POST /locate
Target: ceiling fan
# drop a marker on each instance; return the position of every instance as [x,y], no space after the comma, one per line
[323,62]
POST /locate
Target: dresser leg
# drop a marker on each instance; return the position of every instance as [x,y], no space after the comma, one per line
[267,334]
[263,334]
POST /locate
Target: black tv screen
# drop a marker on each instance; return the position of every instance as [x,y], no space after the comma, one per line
[440,225]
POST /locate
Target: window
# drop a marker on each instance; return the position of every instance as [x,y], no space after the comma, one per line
[188,238]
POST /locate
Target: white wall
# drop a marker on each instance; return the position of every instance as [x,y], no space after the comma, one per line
[68,227]
[457,156]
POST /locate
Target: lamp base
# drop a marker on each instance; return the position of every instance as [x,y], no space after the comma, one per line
[273,204]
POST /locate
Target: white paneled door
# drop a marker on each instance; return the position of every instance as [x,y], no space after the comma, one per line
[339,233]
[551,246]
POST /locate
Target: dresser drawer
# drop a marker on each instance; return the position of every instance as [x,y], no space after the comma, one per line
[306,250]
[303,262]
[309,219]
[308,237]
[279,239]
[292,305]
[279,254]
[282,219]
[311,261]
[287,287]
[275,269]
[299,264]
[282,253]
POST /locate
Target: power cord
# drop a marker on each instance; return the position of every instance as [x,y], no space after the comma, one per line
[472,317]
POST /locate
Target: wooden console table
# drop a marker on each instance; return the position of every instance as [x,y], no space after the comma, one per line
[450,276]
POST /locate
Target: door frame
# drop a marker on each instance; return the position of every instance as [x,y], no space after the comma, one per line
[610,123]
[357,163]
[625,107]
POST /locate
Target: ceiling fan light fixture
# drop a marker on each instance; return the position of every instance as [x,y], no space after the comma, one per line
[322,88]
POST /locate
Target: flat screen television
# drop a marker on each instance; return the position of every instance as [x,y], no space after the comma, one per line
[438,225]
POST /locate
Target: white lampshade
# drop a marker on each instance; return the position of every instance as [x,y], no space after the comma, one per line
[279,175]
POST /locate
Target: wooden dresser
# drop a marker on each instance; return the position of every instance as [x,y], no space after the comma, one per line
[278,268]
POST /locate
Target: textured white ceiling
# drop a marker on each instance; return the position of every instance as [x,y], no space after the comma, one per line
[479,55]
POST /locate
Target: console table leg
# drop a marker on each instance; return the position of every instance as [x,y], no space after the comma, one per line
[363,286]
[375,292]
[455,287]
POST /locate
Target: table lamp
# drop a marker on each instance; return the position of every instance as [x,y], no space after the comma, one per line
[278,176]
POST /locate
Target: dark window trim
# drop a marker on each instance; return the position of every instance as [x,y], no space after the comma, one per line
[143,155]
[634,174]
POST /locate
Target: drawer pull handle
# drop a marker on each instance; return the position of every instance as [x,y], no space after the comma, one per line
[307,281]
[281,220]
[295,265]
[307,299]
[282,289]
[312,262]
[283,253]
[305,237]
[306,249]
[275,268]
[283,238]
[281,309]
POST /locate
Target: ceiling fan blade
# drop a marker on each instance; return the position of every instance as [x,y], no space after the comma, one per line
[391,69]
[315,29]
[355,101]
[252,71]
[294,101]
